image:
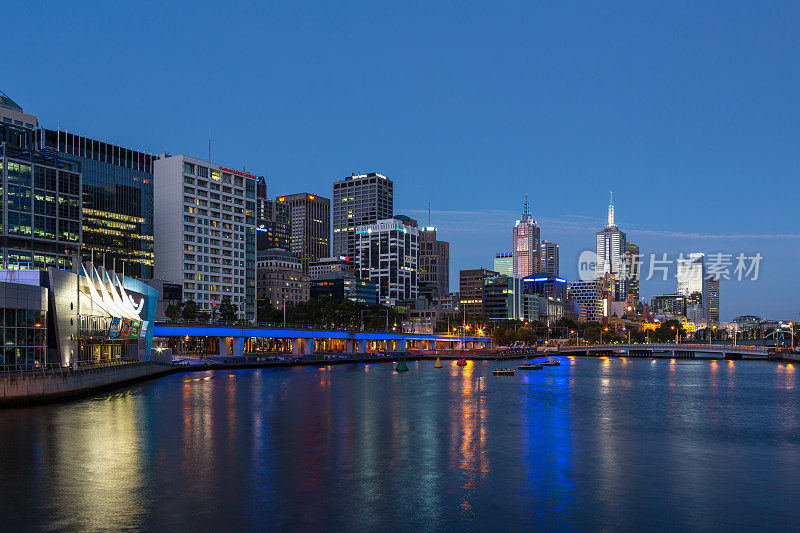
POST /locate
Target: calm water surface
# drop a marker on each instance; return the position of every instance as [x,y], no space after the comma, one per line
[592,444]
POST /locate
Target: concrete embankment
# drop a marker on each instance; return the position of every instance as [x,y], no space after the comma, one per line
[58,384]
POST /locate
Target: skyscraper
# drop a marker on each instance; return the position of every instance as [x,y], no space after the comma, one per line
[387,253]
[434,264]
[632,262]
[711,300]
[359,199]
[470,287]
[611,247]
[205,221]
[690,275]
[526,244]
[273,228]
[310,225]
[548,258]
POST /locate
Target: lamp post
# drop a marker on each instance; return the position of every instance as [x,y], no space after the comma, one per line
[601,335]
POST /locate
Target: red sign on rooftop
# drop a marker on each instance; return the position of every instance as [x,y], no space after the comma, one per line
[238,172]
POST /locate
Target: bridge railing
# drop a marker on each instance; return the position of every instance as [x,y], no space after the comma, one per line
[670,346]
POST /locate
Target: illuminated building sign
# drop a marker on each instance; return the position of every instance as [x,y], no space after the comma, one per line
[238,173]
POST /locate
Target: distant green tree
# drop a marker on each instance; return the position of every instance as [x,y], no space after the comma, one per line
[527,335]
[227,310]
[174,311]
[666,332]
[190,310]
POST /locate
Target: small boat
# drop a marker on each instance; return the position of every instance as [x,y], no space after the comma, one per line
[549,362]
[438,363]
[462,361]
[401,367]
[529,366]
[503,371]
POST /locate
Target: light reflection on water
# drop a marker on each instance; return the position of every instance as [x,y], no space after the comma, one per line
[599,443]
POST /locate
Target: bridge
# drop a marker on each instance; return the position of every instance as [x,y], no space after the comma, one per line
[237,340]
[679,351]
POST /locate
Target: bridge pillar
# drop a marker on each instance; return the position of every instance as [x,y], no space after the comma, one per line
[349,346]
[296,346]
[308,346]
[224,348]
[362,347]
[435,344]
[238,346]
[401,346]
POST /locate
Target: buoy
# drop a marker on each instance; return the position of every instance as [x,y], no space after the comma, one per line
[462,361]
[438,363]
[401,367]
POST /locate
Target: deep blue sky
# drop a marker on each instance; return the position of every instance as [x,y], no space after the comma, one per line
[689,112]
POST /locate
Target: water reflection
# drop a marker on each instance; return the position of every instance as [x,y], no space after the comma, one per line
[350,447]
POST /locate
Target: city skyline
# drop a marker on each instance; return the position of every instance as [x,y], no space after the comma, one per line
[707,126]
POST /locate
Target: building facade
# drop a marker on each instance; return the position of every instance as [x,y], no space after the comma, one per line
[387,253]
[502,298]
[668,306]
[310,222]
[11,113]
[526,244]
[60,317]
[273,229]
[504,263]
[359,200]
[332,265]
[470,288]
[40,214]
[586,297]
[117,201]
[434,265]
[342,286]
[205,220]
[632,269]
[711,300]
[548,259]
[280,278]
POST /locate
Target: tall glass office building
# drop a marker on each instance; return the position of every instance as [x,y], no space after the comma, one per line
[40,212]
[117,198]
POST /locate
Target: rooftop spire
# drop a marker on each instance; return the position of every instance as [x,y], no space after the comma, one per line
[526,208]
[611,210]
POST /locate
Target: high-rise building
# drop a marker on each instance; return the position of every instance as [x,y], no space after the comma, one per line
[548,258]
[332,265]
[41,203]
[342,286]
[526,244]
[117,198]
[711,300]
[273,228]
[690,275]
[632,266]
[205,239]
[434,264]
[280,278]
[359,200]
[470,289]
[504,263]
[587,297]
[310,217]
[387,252]
[611,247]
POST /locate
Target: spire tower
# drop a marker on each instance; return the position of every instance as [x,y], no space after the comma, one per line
[611,210]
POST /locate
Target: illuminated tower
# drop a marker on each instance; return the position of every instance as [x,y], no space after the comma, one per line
[611,249]
[526,244]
